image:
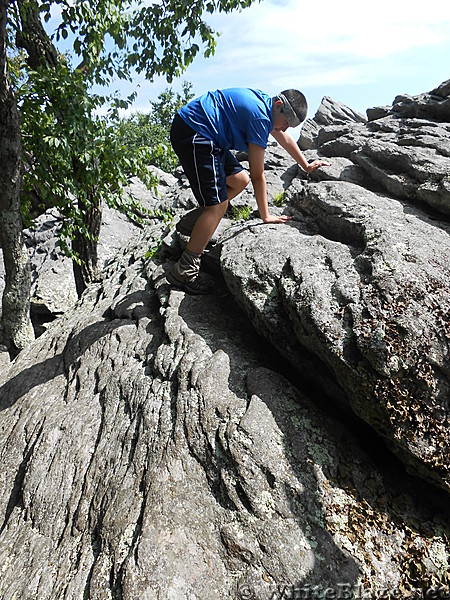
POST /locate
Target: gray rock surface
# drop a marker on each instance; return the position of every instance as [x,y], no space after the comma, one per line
[53,287]
[330,112]
[242,445]
[405,150]
[149,451]
[434,105]
[368,295]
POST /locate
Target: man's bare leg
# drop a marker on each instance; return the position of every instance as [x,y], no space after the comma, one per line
[184,273]
[235,184]
[209,220]
[205,226]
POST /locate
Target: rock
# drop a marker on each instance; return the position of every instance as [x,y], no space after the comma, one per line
[308,134]
[409,171]
[407,157]
[341,140]
[378,112]
[53,287]
[151,198]
[5,361]
[148,451]
[158,445]
[369,297]
[340,169]
[329,112]
[434,105]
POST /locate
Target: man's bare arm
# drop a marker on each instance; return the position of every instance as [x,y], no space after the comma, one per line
[287,142]
[256,161]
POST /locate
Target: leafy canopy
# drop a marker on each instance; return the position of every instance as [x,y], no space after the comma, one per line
[149,132]
[76,157]
[121,37]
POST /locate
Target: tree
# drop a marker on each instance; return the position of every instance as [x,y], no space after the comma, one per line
[77,160]
[151,130]
[108,39]
[16,324]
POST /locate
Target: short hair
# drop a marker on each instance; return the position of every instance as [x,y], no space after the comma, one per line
[295,106]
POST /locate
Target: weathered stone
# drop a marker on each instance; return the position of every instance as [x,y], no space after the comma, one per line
[341,140]
[154,447]
[149,452]
[339,169]
[419,174]
[308,134]
[378,112]
[329,113]
[434,105]
[53,287]
[409,157]
[370,298]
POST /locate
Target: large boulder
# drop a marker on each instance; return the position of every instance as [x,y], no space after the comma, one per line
[157,445]
[404,150]
[366,293]
[330,112]
[360,278]
[149,451]
[434,105]
[53,288]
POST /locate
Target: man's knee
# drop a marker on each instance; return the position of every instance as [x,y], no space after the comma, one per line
[238,181]
[217,208]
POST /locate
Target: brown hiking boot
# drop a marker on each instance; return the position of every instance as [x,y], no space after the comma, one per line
[184,275]
[197,287]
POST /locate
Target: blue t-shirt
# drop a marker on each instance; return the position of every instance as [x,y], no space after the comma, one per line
[232,118]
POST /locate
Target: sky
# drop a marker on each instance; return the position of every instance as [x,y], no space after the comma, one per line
[358,53]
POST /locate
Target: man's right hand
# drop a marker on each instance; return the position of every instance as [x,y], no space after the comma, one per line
[277,219]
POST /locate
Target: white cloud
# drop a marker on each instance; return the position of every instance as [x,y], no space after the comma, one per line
[326,26]
[366,54]
[323,44]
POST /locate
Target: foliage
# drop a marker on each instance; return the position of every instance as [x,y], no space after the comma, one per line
[242,213]
[75,154]
[158,38]
[77,158]
[279,199]
[153,251]
[150,131]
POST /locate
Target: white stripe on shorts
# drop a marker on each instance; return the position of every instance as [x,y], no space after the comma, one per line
[214,171]
[196,170]
[215,174]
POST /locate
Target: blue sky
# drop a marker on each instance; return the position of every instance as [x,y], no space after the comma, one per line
[361,54]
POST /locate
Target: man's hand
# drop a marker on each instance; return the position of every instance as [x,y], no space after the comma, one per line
[316,164]
[277,219]
[287,142]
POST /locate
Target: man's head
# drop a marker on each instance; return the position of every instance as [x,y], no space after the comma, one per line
[292,104]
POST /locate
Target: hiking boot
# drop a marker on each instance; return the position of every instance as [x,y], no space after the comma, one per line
[184,275]
[187,266]
[197,287]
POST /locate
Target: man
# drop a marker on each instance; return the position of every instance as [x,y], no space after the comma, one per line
[202,135]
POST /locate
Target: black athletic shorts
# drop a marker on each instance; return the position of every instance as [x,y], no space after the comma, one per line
[206,165]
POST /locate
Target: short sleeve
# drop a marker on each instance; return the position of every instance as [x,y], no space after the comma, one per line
[258,132]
